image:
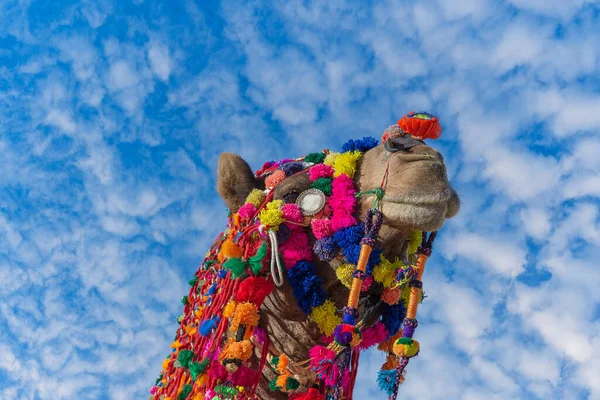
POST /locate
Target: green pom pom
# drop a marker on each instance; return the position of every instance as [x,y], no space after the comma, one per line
[405,340]
[275,361]
[256,261]
[316,158]
[184,300]
[185,392]
[185,357]
[193,281]
[273,385]
[227,391]
[236,266]
[292,384]
[198,368]
[324,185]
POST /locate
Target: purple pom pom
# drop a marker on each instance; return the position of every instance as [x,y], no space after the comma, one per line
[326,249]
[341,337]
[292,168]
[283,233]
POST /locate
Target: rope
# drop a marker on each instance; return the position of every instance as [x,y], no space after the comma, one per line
[276,265]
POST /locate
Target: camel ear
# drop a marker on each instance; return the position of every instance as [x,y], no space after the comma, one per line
[235,180]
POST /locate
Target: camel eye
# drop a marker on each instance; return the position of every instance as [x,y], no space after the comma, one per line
[402,143]
[311,202]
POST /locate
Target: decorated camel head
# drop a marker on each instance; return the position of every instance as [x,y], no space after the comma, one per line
[322,258]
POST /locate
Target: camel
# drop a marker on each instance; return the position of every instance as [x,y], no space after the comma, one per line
[417,197]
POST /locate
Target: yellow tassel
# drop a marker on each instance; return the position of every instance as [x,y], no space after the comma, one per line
[330,158]
[344,274]
[229,309]
[345,163]
[414,241]
[256,197]
[385,271]
[272,215]
[325,316]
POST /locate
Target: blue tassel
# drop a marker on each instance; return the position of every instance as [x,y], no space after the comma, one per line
[207,326]
[386,380]
[363,145]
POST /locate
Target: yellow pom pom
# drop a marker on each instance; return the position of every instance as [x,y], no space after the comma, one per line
[330,158]
[402,349]
[229,309]
[272,215]
[345,163]
[414,241]
[344,274]
[325,316]
[385,271]
[245,314]
[165,363]
[256,197]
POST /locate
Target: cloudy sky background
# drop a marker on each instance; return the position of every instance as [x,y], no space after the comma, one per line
[113,114]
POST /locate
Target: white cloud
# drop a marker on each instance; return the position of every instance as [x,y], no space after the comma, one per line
[500,256]
[160,60]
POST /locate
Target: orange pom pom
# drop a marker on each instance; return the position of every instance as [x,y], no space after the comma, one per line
[275,179]
[391,296]
[245,314]
[230,250]
[240,350]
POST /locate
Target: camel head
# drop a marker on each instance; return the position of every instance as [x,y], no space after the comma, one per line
[320,251]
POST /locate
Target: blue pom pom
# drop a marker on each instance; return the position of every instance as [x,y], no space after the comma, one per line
[301,270]
[392,317]
[309,294]
[363,145]
[211,290]
[386,380]
[207,326]
[223,273]
[292,168]
[350,235]
[349,319]
[307,287]
[326,249]
[374,259]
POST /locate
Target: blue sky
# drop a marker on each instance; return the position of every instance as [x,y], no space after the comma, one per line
[113,114]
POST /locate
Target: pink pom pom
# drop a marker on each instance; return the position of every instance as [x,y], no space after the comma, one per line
[391,296]
[291,212]
[248,210]
[210,393]
[372,336]
[322,362]
[244,376]
[342,202]
[366,284]
[217,370]
[153,390]
[321,228]
[295,249]
[320,171]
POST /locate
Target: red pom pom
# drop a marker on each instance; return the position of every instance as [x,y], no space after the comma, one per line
[421,125]
[254,289]
[312,394]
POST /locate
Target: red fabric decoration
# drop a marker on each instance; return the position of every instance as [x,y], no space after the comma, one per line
[254,289]
[421,125]
[312,394]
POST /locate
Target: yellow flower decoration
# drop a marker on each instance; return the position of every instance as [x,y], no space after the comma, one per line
[345,163]
[385,271]
[272,215]
[344,274]
[325,316]
[256,197]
